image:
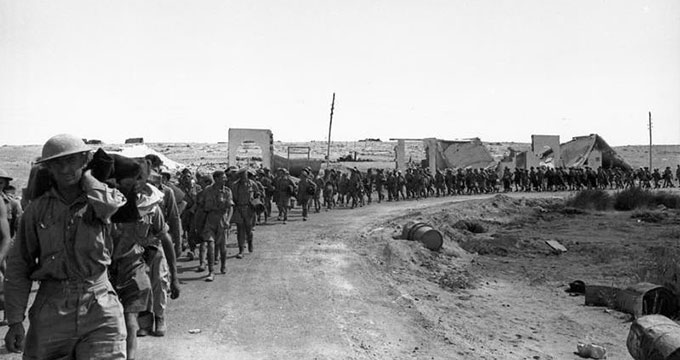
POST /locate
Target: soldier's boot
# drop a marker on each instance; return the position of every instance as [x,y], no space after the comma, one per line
[201,257]
[223,267]
[160,326]
[145,321]
[250,246]
[240,253]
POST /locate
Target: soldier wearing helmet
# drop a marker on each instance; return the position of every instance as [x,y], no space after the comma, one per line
[62,244]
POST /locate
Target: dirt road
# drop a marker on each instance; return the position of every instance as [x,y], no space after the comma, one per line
[305,293]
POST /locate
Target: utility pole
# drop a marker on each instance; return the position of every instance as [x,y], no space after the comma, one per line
[330,126]
[650,142]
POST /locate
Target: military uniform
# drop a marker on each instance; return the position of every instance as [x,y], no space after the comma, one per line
[285,188]
[131,240]
[244,191]
[306,190]
[215,203]
[187,216]
[76,312]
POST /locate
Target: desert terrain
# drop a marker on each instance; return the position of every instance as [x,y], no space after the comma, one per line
[340,286]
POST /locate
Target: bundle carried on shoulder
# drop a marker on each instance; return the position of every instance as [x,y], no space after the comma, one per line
[311,188]
[110,169]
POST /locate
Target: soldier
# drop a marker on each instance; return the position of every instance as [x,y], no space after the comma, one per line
[367,186]
[12,205]
[157,260]
[354,188]
[5,237]
[268,184]
[76,312]
[216,204]
[191,190]
[391,184]
[540,178]
[305,191]
[170,203]
[245,191]
[380,181]
[285,188]
[471,182]
[135,241]
[507,180]
[656,177]
[401,185]
[450,181]
[319,182]
[329,192]
[343,189]
[198,222]
[440,183]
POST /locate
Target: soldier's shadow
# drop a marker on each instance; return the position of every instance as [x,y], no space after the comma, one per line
[198,277]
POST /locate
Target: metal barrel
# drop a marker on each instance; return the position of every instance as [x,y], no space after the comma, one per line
[654,337]
[647,299]
[430,238]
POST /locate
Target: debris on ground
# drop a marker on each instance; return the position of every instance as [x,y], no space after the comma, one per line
[591,351]
[638,299]
[654,337]
[556,246]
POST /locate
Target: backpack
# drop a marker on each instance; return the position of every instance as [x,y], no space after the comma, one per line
[311,188]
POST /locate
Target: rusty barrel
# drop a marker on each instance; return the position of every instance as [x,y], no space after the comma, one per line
[647,299]
[654,337]
[430,237]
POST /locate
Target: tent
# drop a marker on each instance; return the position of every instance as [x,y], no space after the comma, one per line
[141,150]
[592,151]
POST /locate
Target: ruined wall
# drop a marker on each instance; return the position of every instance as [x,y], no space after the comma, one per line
[547,148]
[545,151]
[400,155]
[261,137]
[431,147]
[594,159]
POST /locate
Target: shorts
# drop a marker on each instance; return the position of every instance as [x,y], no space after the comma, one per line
[76,321]
[133,286]
[215,232]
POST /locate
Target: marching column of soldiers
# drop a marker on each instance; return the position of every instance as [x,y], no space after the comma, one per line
[101,233]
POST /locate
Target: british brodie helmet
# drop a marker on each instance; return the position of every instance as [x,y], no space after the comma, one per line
[62,145]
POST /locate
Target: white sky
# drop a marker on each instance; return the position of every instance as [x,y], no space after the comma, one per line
[188,70]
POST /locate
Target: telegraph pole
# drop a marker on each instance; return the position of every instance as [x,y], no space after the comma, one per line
[650,142]
[330,126]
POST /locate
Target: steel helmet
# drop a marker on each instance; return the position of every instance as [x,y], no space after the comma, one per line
[5,175]
[62,145]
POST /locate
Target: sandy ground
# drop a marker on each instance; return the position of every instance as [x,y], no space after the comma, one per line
[340,287]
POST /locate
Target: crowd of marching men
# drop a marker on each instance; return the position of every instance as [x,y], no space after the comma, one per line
[101,225]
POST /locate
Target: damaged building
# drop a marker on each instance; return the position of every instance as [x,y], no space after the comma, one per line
[591,151]
[448,154]
[546,151]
